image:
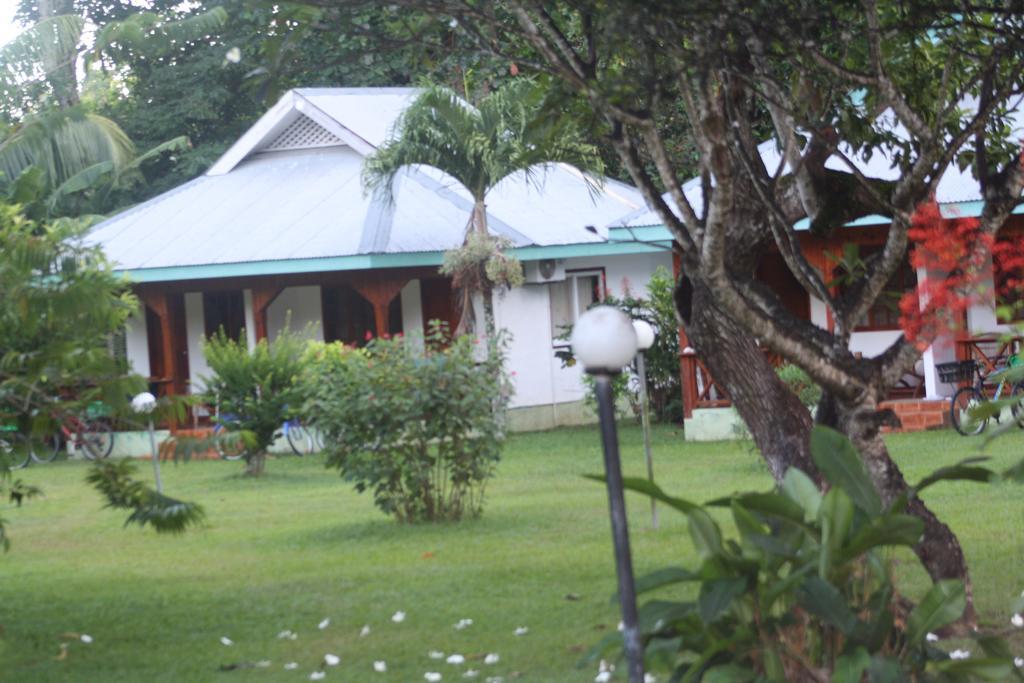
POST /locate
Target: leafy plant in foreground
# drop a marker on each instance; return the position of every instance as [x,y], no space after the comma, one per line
[113,478]
[805,592]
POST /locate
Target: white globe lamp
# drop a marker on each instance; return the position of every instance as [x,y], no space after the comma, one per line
[603,340]
[144,402]
[644,334]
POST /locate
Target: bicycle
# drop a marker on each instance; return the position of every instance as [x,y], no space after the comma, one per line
[303,440]
[968,398]
[94,437]
[15,447]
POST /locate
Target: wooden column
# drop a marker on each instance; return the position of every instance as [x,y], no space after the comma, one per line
[380,294]
[262,297]
[159,304]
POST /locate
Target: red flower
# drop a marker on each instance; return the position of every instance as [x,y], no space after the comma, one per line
[368,336]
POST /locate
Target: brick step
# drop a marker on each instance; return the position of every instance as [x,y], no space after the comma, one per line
[918,415]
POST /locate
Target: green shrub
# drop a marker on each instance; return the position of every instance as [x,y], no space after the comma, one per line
[419,421]
[805,591]
[256,391]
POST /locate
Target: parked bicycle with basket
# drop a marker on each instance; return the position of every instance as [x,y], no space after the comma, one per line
[967,399]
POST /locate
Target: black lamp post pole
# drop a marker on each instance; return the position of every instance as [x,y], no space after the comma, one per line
[620,529]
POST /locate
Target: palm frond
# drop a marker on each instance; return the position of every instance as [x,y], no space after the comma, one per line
[153,34]
[63,143]
[439,130]
[86,178]
[52,41]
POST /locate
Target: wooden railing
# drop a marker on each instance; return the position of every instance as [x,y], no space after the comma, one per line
[700,390]
[989,350]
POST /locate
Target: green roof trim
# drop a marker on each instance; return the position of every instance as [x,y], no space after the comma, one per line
[643,240]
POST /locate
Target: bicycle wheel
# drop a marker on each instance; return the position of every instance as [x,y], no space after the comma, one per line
[15,449]
[227,448]
[963,401]
[47,449]
[1017,407]
[299,438]
[97,439]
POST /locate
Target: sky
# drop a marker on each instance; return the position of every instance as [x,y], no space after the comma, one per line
[8,29]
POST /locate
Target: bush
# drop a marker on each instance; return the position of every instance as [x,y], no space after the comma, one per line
[420,422]
[256,391]
[806,591]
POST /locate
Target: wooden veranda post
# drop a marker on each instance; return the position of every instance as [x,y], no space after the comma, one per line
[262,297]
[380,294]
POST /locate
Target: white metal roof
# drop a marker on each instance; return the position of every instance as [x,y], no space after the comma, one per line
[290,189]
[956,187]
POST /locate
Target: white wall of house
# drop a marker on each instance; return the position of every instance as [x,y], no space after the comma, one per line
[303,306]
[412,307]
[195,331]
[525,312]
[137,344]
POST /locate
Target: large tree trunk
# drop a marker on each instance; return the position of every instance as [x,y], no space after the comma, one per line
[779,424]
[939,549]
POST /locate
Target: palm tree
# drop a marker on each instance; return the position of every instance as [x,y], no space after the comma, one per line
[45,128]
[508,132]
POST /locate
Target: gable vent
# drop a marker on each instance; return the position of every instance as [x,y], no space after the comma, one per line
[303,133]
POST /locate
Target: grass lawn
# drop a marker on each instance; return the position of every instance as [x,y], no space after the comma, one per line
[300,545]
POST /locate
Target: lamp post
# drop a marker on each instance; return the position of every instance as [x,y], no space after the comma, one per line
[144,404]
[644,341]
[604,341]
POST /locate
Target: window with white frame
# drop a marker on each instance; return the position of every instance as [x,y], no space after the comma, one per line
[570,298]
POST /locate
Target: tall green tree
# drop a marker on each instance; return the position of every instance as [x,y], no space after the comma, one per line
[50,126]
[929,84]
[505,133]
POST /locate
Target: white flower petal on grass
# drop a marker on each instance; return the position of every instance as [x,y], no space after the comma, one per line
[492,658]
[959,654]
[649,678]
[435,654]
[332,660]
[463,623]
[86,638]
[521,631]
[291,666]
[317,676]
[263,664]
[224,640]
[603,677]
[931,638]
[234,55]
[495,679]
[398,617]
[471,673]
[603,666]
[380,666]
[432,677]
[287,633]
[621,626]
[1018,662]
[456,659]
[364,631]
[1017,620]
[324,624]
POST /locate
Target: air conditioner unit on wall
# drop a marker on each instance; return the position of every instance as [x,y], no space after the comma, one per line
[544,270]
